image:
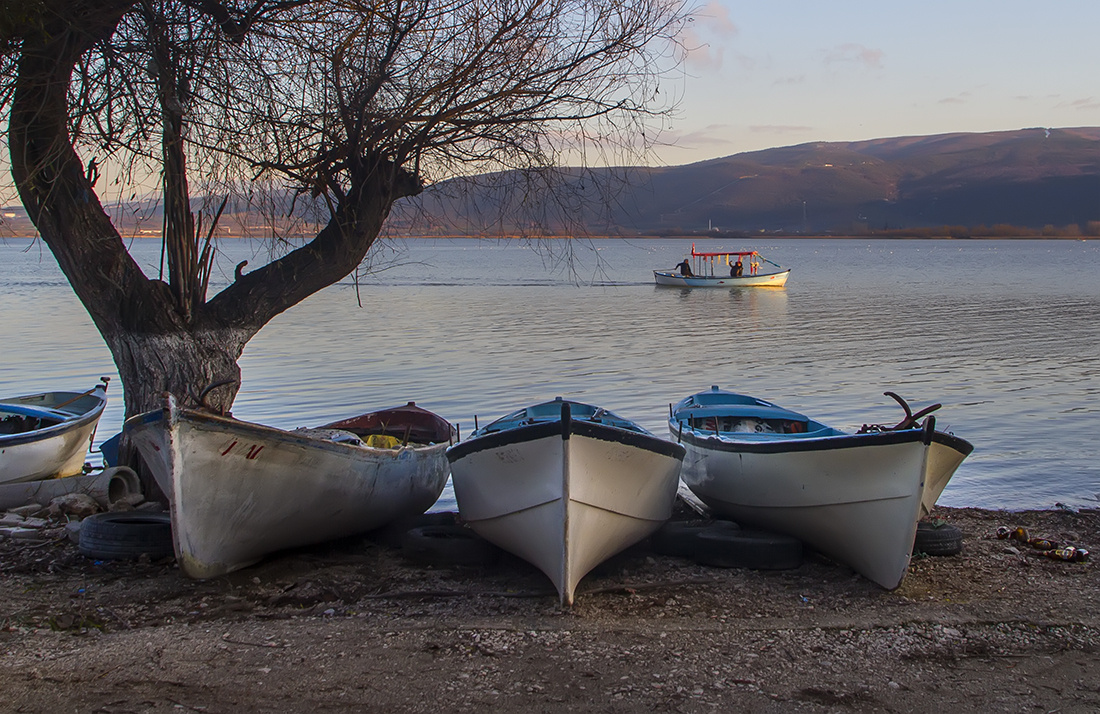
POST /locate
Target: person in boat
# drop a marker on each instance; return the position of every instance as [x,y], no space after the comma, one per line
[685,269]
[737,269]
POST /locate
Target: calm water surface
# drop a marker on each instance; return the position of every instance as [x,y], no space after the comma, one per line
[1004,334]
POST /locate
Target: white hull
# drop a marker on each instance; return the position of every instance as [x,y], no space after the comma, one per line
[946,455]
[55,451]
[766,280]
[565,504]
[858,504]
[240,491]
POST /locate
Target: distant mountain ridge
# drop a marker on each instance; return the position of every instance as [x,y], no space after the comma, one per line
[1035,179]
[1028,178]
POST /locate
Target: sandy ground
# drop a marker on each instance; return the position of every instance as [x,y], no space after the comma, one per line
[353,626]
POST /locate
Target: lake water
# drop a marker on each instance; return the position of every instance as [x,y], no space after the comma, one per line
[1004,334]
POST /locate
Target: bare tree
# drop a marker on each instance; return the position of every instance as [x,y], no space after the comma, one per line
[349,104]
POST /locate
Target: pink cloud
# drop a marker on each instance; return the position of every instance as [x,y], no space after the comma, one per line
[781,129]
[852,53]
[707,36]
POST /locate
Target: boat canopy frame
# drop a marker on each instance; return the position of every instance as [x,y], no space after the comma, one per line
[702,259]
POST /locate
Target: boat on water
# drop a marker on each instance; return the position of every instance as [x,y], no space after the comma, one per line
[48,435]
[565,486]
[239,491]
[724,269]
[854,497]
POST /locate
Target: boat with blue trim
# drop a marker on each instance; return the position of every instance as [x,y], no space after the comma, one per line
[564,485]
[48,435]
[855,497]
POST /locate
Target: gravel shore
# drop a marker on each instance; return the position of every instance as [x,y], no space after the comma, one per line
[353,626]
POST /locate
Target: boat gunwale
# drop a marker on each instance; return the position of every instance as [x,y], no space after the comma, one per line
[62,427]
[784,444]
[957,443]
[580,427]
[237,426]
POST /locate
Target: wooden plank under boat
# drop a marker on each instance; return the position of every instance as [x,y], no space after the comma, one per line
[48,435]
[239,491]
[708,271]
[854,497]
[565,486]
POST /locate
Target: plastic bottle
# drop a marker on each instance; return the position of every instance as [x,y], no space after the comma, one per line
[1068,553]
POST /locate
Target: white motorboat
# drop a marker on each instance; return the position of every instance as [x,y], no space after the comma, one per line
[239,491]
[48,435]
[854,497]
[565,486]
[723,269]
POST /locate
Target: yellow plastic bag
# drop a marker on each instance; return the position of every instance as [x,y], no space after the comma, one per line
[382,441]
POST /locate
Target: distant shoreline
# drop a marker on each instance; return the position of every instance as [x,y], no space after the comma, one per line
[686,236]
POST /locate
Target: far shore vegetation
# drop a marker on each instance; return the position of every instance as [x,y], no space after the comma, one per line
[1073,231]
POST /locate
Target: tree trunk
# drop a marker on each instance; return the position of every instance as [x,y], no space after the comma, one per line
[199,368]
[166,338]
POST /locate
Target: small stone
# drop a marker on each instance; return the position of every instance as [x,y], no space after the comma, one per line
[72,530]
[32,534]
[80,505]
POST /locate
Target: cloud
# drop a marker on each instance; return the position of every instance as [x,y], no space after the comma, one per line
[707,136]
[1087,104]
[707,36]
[780,129]
[852,53]
[960,98]
[790,81]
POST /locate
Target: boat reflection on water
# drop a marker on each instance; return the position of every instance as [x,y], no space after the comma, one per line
[763,307]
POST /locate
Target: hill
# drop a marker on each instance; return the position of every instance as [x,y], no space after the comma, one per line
[1031,178]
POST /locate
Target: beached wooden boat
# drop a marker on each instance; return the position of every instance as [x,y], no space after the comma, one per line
[48,435]
[565,486]
[854,497]
[239,491]
[723,269]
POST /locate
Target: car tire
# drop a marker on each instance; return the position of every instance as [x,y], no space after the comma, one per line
[447,545]
[126,535]
[932,539]
[680,538]
[745,548]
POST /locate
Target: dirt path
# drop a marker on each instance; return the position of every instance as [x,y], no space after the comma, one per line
[352,626]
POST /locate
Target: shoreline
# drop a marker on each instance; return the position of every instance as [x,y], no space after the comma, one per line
[353,626]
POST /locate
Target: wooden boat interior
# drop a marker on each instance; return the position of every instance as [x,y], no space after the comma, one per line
[40,411]
[408,423]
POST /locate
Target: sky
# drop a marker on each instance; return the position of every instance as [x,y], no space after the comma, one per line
[768,73]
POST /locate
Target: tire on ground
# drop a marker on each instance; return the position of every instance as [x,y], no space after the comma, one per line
[744,548]
[126,535]
[447,545]
[934,539]
[392,534]
[679,538]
